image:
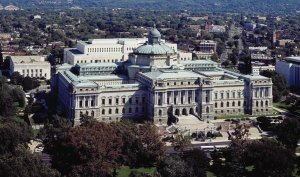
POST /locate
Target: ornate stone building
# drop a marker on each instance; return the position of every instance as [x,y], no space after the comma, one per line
[155,84]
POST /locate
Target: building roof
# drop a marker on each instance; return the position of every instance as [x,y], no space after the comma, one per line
[77,81]
[293,59]
[28,59]
[154,46]
[154,49]
[95,65]
[171,74]
[104,77]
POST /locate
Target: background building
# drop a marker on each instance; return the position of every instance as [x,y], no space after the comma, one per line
[32,66]
[290,69]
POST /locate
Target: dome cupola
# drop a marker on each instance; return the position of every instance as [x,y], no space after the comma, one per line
[154,36]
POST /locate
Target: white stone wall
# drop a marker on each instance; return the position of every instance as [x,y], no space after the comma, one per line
[36,70]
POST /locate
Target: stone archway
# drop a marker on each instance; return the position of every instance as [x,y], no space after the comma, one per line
[191,111]
[177,112]
[184,112]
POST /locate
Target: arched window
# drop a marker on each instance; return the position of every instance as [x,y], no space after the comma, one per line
[222,104]
[87,113]
[109,111]
[233,103]
[262,104]
[117,111]
[227,104]
[257,103]
[159,112]
[103,111]
[216,105]
[267,103]
[239,103]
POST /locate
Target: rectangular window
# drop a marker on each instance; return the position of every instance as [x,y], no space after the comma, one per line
[80,103]
[103,101]
[216,95]
[137,100]
[123,100]
[222,95]
[227,94]
[130,100]
[233,94]
[86,103]
[92,103]
[109,101]
[117,100]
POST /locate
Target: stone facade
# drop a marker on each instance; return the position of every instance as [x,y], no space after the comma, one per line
[159,87]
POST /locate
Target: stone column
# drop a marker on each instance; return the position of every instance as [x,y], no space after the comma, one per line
[179,95]
[186,97]
[165,97]
[172,97]
[193,96]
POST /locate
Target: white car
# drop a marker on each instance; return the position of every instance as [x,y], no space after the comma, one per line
[39,148]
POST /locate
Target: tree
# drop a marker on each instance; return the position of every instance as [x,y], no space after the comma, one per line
[30,83]
[181,143]
[7,106]
[264,123]
[269,158]
[280,86]
[13,133]
[288,132]
[23,163]
[153,148]
[90,150]
[141,143]
[16,78]
[174,166]
[198,161]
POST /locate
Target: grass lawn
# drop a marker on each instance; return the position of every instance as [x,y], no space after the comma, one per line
[282,105]
[244,116]
[125,171]
[35,132]
[288,107]
[210,174]
[233,116]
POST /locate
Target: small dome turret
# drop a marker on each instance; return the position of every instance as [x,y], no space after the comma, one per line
[154,36]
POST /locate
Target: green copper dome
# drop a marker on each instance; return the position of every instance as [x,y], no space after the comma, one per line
[154,45]
[154,49]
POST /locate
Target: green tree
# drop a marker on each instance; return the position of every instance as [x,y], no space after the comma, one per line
[288,132]
[23,163]
[16,78]
[30,83]
[269,158]
[198,161]
[280,86]
[174,166]
[90,150]
[13,133]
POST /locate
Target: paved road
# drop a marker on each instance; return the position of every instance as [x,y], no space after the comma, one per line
[170,149]
[286,113]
